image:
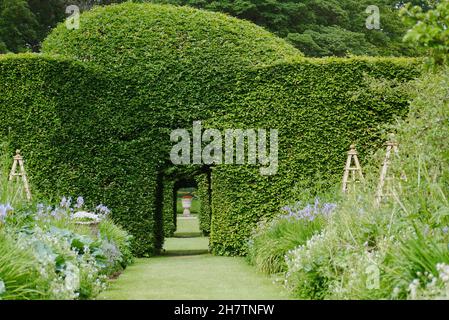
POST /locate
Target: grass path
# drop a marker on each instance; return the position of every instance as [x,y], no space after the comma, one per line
[186,271]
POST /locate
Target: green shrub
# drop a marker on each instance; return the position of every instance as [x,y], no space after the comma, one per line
[272,241]
[66,264]
[19,274]
[429,30]
[114,233]
[398,250]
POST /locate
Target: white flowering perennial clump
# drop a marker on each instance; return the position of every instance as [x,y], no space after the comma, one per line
[431,286]
[62,257]
[86,217]
[47,255]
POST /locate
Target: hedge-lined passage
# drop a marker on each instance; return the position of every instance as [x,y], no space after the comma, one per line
[178,61]
[100,126]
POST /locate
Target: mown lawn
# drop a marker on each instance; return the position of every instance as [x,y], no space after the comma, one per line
[187,271]
[192,277]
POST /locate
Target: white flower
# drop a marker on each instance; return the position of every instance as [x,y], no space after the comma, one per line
[72,279]
[86,215]
[2,287]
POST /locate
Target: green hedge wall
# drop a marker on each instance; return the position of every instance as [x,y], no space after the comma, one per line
[99,126]
[169,207]
[179,59]
[67,120]
[320,107]
[176,63]
[204,195]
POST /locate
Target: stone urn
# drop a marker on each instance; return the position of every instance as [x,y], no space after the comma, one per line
[186,205]
[88,219]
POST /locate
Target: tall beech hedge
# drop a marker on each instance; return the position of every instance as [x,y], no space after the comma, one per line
[180,59]
[319,107]
[97,122]
[204,194]
[169,207]
[76,136]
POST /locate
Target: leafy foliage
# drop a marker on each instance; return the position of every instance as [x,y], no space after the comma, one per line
[46,254]
[273,240]
[321,27]
[398,250]
[24,24]
[204,195]
[17,26]
[19,278]
[430,30]
[320,107]
[101,123]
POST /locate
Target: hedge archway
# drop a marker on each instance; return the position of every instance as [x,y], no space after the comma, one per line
[101,116]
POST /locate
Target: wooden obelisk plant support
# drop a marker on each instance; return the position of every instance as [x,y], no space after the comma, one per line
[383,188]
[18,164]
[352,173]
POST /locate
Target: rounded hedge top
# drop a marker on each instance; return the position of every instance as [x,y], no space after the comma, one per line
[148,37]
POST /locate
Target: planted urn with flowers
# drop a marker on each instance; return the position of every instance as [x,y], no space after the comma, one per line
[81,216]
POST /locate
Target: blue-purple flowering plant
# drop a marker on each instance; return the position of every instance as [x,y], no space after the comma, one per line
[66,261]
[310,212]
[5,209]
[274,239]
[67,210]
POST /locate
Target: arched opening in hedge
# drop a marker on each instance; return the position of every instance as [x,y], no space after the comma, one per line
[197,178]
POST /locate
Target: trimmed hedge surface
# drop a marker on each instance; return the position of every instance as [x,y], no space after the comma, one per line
[205,197]
[178,61]
[169,208]
[319,107]
[69,121]
[99,127]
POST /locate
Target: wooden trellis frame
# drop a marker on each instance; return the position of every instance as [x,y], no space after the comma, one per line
[351,173]
[380,194]
[18,161]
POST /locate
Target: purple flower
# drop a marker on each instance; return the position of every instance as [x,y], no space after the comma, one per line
[63,202]
[79,202]
[4,209]
[40,208]
[102,209]
[328,208]
[309,212]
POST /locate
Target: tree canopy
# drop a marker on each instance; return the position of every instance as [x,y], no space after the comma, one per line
[322,27]
[25,23]
[317,27]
